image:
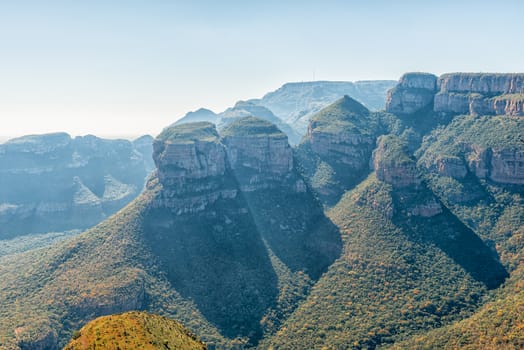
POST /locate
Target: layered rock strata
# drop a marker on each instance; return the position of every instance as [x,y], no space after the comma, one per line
[197,166]
[414,92]
[393,165]
[459,93]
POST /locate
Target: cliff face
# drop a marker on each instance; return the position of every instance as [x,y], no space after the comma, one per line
[54,182]
[197,166]
[459,93]
[393,165]
[336,133]
[258,153]
[414,92]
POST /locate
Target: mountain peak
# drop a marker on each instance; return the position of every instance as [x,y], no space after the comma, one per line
[251,126]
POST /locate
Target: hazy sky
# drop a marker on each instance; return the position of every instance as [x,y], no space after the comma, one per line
[133,67]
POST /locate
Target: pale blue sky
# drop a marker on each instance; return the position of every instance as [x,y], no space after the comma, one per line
[132,67]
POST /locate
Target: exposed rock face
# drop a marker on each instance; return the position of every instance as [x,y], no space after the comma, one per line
[53,182]
[459,93]
[348,148]
[45,339]
[336,134]
[427,210]
[486,84]
[481,94]
[499,164]
[414,92]
[197,167]
[259,156]
[507,165]
[191,163]
[451,166]
[393,165]
[191,152]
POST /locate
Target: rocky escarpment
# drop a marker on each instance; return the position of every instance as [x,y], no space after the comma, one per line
[332,134]
[336,151]
[259,154]
[414,92]
[197,166]
[481,94]
[191,164]
[487,147]
[458,93]
[392,163]
[500,164]
[54,182]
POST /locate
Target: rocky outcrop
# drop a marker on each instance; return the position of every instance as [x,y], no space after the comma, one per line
[53,182]
[196,166]
[427,209]
[191,164]
[459,93]
[451,166]
[392,163]
[348,148]
[507,165]
[258,153]
[188,153]
[414,92]
[338,133]
[489,84]
[500,164]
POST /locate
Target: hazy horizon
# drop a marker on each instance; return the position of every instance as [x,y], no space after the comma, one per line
[129,68]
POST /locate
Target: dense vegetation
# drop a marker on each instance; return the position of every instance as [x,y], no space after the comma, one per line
[392,280]
[134,330]
[435,263]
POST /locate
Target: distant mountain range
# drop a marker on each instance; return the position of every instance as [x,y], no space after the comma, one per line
[397,228]
[291,106]
[53,182]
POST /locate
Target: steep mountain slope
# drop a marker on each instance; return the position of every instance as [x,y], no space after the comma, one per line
[421,245]
[206,243]
[134,330]
[54,182]
[295,103]
[408,265]
[336,152]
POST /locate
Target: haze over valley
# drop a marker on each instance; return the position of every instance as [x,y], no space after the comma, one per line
[262,176]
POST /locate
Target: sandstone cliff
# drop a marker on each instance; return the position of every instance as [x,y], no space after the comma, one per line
[392,163]
[258,153]
[487,147]
[414,92]
[459,93]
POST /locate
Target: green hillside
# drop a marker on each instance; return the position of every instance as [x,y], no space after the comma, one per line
[134,330]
